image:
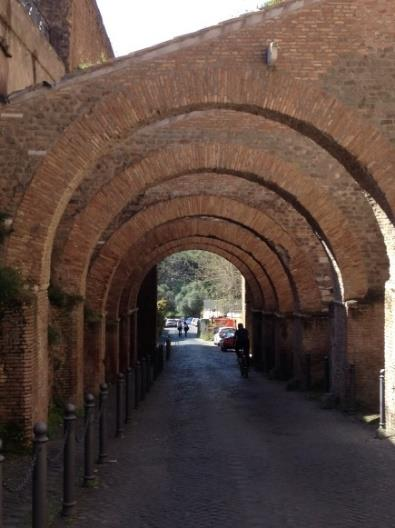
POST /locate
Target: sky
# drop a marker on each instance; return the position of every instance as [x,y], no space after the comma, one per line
[138,24]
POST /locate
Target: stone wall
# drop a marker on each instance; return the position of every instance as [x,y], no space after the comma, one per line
[26,56]
[77,32]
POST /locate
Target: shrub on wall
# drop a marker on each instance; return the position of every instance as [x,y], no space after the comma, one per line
[59,298]
[12,287]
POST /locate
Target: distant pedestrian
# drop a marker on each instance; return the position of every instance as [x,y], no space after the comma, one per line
[186,328]
[179,328]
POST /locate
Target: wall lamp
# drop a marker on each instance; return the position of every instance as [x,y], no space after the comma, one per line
[270,54]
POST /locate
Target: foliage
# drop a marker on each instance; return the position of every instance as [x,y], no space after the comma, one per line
[59,298]
[4,229]
[91,316]
[14,440]
[162,310]
[185,279]
[54,336]
[12,287]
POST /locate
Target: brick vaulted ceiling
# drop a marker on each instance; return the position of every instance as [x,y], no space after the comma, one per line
[198,143]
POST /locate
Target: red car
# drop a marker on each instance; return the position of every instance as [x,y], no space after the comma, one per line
[228,341]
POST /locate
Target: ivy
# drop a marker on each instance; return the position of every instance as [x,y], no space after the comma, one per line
[59,298]
[12,287]
[91,316]
[54,336]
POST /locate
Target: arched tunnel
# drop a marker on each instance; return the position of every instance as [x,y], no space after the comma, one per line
[137,159]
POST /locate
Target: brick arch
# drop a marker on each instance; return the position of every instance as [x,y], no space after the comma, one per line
[241,162]
[197,231]
[232,237]
[301,271]
[125,286]
[364,152]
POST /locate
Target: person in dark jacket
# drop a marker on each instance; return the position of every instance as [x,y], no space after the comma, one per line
[242,341]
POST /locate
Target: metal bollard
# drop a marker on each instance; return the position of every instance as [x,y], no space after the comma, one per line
[168,348]
[69,461]
[351,404]
[327,374]
[308,371]
[39,482]
[137,390]
[1,483]
[120,404]
[128,394]
[103,423]
[89,450]
[143,377]
[148,382]
[382,399]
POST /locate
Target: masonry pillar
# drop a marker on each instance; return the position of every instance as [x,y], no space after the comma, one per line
[390,357]
[257,344]
[146,316]
[296,327]
[112,355]
[133,336]
[66,354]
[365,348]
[94,354]
[316,345]
[124,342]
[283,347]
[269,342]
[18,368]
[338,346]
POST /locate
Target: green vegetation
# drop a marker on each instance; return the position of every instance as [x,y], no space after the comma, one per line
[91,316]
[5,230]
[12,288]
[187,278]
[54,336]
[59,298]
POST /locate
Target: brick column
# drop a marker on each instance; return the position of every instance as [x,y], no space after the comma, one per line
[19,403]
[283,347]
[316,344]
[269,342]
[146,316]
[133,336]
[66,356]
[94,355]
[112,356]
[338,346]
[365,348]
[124,342]
[390,357]
[257,342]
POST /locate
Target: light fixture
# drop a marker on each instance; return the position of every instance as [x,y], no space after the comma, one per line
[271,54]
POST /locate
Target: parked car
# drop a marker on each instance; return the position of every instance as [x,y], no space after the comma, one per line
[171,323]
[228,342]
[220,333]
[195,321]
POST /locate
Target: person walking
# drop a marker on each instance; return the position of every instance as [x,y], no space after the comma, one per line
[179,328]
[186,328]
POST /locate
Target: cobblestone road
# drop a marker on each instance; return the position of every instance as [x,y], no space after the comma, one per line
[210,449]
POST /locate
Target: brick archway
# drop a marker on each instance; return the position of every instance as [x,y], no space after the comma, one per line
[111,253]
[246,164]
[355,143]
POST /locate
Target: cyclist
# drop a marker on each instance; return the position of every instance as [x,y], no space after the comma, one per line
[242,344]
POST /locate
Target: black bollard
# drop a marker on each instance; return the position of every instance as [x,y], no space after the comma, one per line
[137,389]
[1,483]
[103,423]
[39,482]
[382,399]
[89,450]
[128,394]
[120,404]
[69,461]
[351,403]
[327,374]
[143,377]
[148,381]
[308,371]
[168,348]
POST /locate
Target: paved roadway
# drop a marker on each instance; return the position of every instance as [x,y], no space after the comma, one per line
[210,449]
